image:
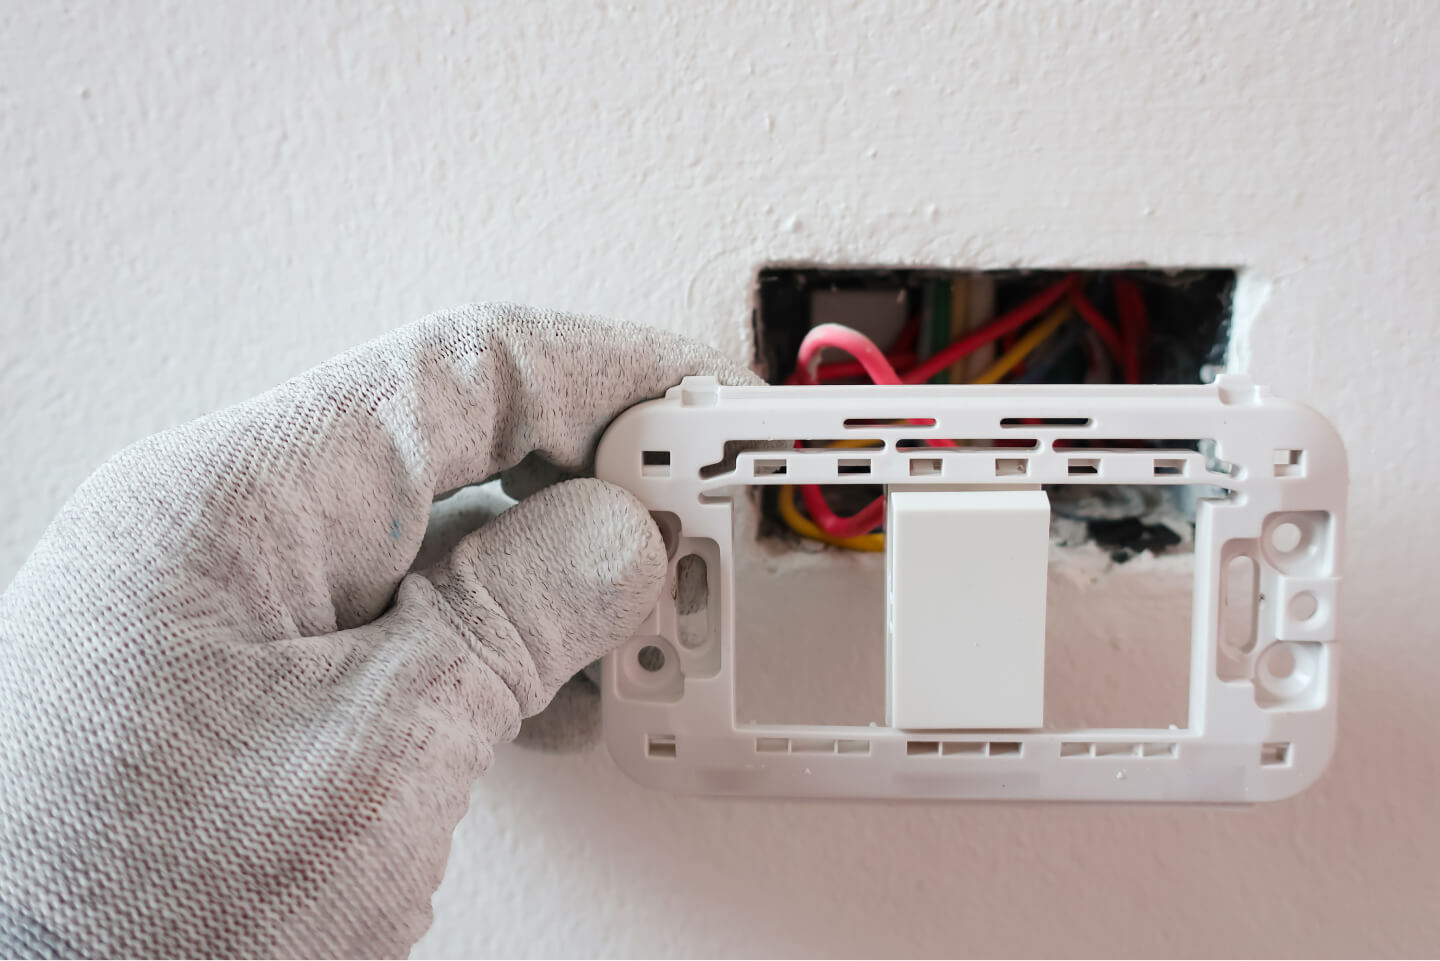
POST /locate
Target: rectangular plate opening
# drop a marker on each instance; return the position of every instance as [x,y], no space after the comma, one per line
[1099,671]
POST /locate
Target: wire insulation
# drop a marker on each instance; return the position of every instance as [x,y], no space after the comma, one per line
[999,327]
[1129,360]
[862,521]
[857,531]
[872,359]
[803,526]
[1033,338]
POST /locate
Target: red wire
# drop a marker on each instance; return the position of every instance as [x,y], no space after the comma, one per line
[999,327]
[901,354]
[907,337]
[846,369]
[877,366]
[1129,360]
[1134,323]
[871,361]
[861,522]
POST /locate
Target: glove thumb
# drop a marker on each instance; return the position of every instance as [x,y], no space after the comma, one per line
[555,582]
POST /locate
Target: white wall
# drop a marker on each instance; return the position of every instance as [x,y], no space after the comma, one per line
[197,200]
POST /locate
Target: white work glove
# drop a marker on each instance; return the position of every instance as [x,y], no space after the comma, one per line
[231,723]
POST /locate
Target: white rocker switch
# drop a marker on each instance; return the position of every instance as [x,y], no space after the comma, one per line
[965,579]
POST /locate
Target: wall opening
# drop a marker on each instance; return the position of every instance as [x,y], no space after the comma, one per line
[1120,326]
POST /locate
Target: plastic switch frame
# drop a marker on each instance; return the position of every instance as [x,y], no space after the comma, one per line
[1262,720]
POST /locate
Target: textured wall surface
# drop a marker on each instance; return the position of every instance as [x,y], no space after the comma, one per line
[197,200]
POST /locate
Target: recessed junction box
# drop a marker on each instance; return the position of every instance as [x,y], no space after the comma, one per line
[1185,340]
[965,552]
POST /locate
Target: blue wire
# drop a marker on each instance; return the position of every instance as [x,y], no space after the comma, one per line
[1054,353]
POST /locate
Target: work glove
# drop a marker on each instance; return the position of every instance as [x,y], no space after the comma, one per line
[232,721]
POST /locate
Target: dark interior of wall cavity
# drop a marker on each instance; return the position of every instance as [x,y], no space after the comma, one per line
[1187,313]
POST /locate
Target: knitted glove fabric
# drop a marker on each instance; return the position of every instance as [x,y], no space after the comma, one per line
[233,720]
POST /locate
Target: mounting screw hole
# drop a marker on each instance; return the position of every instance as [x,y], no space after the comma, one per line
[1285,537]
[1303,606]
[1279,663]
[650,658]
[1287,670]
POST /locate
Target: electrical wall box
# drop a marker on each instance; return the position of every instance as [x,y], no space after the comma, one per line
[967,547]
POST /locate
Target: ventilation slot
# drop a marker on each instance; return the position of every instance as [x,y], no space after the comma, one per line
[770,468]
[924,466]
[655,463]
[1118,749]
[811,745]
[849,443]
[1011,466]
[1119,446]
[734,448]
[1045,422]
[861,423]
[1289,463]
[854,465]
[1275,754]
[1084,465]
[1169,467]
[1115,749]
[966,748]
[973,443]
[660,745]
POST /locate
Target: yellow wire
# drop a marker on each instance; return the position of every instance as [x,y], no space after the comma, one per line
[996,372]
[805,527]
[1024,346]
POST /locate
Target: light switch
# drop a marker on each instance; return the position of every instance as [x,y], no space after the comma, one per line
[965,608]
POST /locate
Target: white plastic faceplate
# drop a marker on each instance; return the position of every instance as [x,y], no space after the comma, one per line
[1261,722]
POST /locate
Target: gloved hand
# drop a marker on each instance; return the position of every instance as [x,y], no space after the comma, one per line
[230,722]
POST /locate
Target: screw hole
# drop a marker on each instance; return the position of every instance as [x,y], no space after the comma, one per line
[1285,537]
[650,658]
[1286,671]
[1280,663]
[1303,606]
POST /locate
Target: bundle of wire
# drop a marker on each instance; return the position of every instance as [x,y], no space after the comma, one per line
[861,530]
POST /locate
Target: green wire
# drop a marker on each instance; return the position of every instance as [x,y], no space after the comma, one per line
[937,323]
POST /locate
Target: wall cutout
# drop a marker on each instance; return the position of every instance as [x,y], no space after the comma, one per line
[1111,326]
